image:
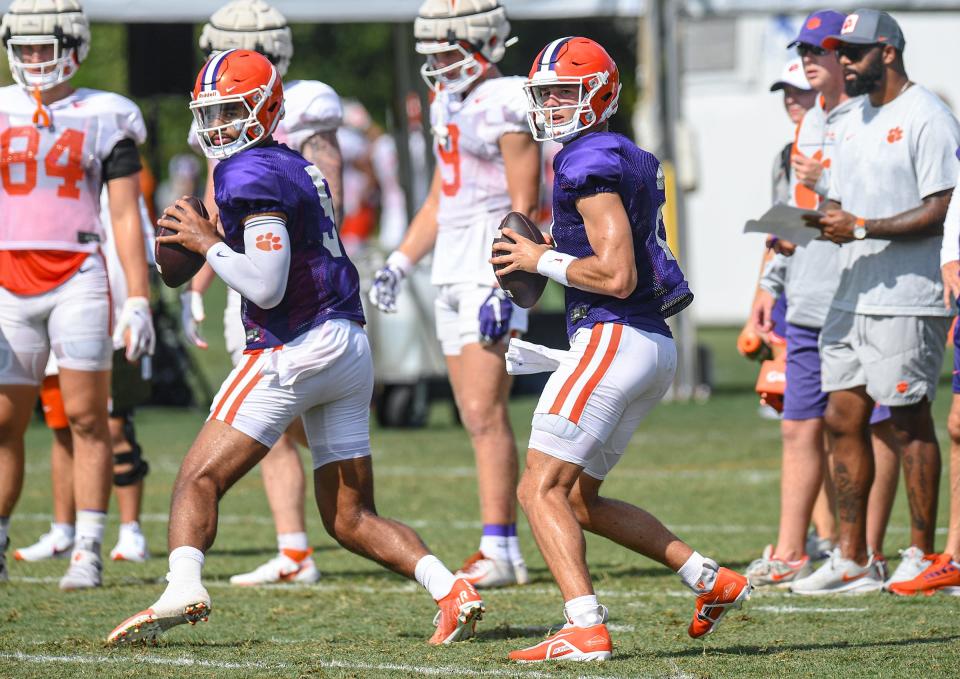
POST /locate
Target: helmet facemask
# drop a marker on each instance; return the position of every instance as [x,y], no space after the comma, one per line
[449,75]
[231,113]
[42,75]
[540,117]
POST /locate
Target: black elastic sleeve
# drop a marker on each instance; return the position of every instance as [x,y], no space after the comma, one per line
[123,161]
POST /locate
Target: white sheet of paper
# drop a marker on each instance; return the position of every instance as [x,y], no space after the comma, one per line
[785,222]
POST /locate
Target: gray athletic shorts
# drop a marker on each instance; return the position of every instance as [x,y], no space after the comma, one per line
[897,358]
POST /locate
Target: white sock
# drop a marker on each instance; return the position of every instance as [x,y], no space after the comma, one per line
[66,529]
[4,528]
[584,611]
[185,565]
[297,541]
[434,576]
[513,549]
[495,547]
[132,527]
[90,525]
[698,573]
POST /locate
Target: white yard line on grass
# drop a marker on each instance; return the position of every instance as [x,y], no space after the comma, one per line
[805,609]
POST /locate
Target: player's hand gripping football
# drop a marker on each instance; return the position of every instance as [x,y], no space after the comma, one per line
[135,328]
[522,254]
[192,315]
[193,231]
[495,313]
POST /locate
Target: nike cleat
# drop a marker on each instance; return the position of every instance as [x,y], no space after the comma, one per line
[51,545]
[942,575]
[838,575]
[131,546]
[730,590]
[459,613]
[288,566]
[913,562]
[570,643]
[171,609]
[771,571]
[84,572]
[485,572]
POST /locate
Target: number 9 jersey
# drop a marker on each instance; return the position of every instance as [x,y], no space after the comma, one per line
[473,191]
[50,177]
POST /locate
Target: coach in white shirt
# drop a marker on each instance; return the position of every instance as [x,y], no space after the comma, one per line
[883,339]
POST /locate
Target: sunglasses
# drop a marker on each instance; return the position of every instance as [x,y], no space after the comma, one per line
[804,50]
[854,53]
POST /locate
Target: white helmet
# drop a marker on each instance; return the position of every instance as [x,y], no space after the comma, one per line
[475,30]
[58,27]
[249,25]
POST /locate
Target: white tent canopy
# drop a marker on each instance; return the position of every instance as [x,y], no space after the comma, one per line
[337,11]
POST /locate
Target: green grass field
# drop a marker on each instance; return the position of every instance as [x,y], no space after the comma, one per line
[710,471]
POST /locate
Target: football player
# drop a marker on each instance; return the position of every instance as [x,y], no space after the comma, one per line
[58,147]
[487,165]
[622,281]
[309,126]
[307,355]
[129,388]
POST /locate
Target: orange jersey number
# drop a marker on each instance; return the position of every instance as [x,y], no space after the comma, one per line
[449,153]
[69,144]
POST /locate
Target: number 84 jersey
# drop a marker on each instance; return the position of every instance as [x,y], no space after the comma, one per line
[473,190]
[51,176]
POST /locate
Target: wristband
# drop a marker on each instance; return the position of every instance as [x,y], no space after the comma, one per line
[553,264]
[400,261]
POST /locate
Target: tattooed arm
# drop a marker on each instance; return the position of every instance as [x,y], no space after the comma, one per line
[323,151]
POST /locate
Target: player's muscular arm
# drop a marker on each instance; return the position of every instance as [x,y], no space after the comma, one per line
[124,198]
[612,270]
[922,221]
[259,273]
[323,150]
[521,160]
[420,238]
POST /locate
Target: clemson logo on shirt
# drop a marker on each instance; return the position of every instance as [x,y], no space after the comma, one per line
[268,242]
[894,135]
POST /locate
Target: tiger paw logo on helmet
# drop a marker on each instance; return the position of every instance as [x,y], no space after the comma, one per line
[237,102]
[461,39]
[573,86]
[45,42]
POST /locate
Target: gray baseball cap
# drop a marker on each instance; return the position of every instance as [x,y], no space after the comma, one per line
[867,27]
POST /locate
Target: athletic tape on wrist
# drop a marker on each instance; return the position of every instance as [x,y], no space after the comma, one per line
[553,264]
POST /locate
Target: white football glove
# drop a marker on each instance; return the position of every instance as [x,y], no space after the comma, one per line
[386,282]
[135,328]
[192,314]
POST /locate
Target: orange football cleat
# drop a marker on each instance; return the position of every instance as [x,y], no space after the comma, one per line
[730,590]
[570,643]
[942,575]
[458,615]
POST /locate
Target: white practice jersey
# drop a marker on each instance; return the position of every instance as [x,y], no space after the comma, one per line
[50,177]
[473,194]
[309,107]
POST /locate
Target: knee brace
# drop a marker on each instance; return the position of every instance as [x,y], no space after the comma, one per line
[133,457]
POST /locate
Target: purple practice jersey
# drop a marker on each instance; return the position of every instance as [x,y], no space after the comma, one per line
[323,283]
[606,162]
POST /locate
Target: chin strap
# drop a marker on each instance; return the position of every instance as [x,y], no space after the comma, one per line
[41,113]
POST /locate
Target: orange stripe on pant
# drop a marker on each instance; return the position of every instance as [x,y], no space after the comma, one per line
[581,367]
[232,413]
[251,359]
[601,370]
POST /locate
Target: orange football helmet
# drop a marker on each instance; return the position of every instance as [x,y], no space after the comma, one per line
[570,62]
[237,102]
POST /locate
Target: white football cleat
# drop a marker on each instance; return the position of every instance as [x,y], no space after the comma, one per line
[85,571]
[912,563]
[841,576]
[51,545]
[770,570]
[131,546]
[281,568]
[485,572]
[178,605]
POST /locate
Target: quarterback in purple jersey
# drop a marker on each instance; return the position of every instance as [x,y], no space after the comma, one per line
[609,250]
[307,353]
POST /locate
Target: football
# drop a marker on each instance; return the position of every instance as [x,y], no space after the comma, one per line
[175,263]
[522,287]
